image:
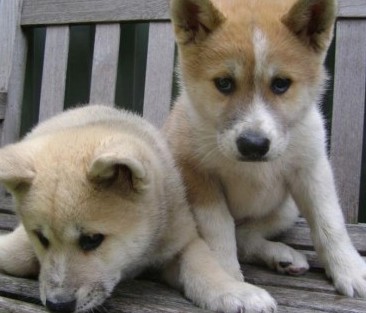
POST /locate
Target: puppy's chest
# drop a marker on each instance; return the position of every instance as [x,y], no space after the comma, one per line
[255,192]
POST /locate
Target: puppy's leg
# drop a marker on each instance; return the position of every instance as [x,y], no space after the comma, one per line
[199,274]
[314,191]
[253,247]
[214,221]
[17,256]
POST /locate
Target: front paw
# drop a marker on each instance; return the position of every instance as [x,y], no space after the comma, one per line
[242,297]
[350,278]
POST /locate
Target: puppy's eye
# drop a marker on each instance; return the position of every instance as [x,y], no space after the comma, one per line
[42,239]
[90,242]
[280,85]
[225,85]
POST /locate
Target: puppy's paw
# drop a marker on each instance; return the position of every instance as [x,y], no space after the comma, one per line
[242,297]
[287,260]
[17,256]
[350,278]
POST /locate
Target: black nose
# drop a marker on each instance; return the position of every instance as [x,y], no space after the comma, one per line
[252,146]
[61,307]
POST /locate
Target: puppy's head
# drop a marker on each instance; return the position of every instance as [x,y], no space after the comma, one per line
[90,210]
[251,69]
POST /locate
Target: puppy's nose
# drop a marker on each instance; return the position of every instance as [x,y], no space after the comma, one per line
[61,307]
[252,146]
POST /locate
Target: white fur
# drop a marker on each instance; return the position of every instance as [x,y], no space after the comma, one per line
[64,179]
[261,198]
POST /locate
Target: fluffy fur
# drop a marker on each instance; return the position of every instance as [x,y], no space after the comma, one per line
[99,200]
[249,137]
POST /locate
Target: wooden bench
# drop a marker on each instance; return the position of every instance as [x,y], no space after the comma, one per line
[308,293]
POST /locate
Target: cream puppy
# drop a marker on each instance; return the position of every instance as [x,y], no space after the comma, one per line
[100,199]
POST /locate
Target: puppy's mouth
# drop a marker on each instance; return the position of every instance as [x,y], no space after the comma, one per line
[87,300]
[253,158]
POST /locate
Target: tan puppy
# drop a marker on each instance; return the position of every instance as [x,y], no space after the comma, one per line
[249,137]
[100,199]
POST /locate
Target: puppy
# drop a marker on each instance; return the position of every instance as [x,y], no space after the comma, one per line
[249,137]
[100,200]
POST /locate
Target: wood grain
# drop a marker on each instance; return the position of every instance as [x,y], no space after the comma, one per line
[13,53]
[308,293]
[8,221]
[159,73]
[40,12]
[105,63]
[299,237]
[16,306]
[9,16]
[348,113]
[320,301]
[54,71]
[351,8]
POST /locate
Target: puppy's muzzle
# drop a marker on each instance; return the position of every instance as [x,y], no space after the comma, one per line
[252,146]
[61,307]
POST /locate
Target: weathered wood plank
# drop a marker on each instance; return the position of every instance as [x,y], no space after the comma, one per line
[316,300]
[159,73]
[6,203]
[15,306]
[54,71]
[299,236]
[309,281]
[8,221]
[40,12]
[105,63]
[13,53]
[9,19]
[21,288]
[348,113]
[308,293]
[133,296]
[352,8]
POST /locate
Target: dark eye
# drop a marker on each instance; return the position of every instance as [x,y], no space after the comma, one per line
[225,85]
[42,239]
[280,85]
[90,242]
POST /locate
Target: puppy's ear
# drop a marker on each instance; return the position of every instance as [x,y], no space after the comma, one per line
[312,22]
[16,167]
[194,20]
[118,168]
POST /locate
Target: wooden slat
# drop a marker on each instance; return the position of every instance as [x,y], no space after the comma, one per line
[40,12]
[299,237]
[136,296]
[9,18]
[304,294]
[323,302]
[159,77]
[348,113]
[8,221]
[313,281]
[105,63]
[54,71]
[12,306]
[352,8]
[13,53]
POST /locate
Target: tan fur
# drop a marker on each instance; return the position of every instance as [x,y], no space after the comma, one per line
[97,170]
[255,43]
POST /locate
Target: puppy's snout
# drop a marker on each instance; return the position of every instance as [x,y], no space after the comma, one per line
[61,307]
[252,146]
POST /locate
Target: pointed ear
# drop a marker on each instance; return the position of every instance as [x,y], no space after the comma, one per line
[312,22]
[116,167]
[16,168]
[194,20]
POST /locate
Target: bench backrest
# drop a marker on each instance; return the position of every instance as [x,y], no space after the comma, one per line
[57,15]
